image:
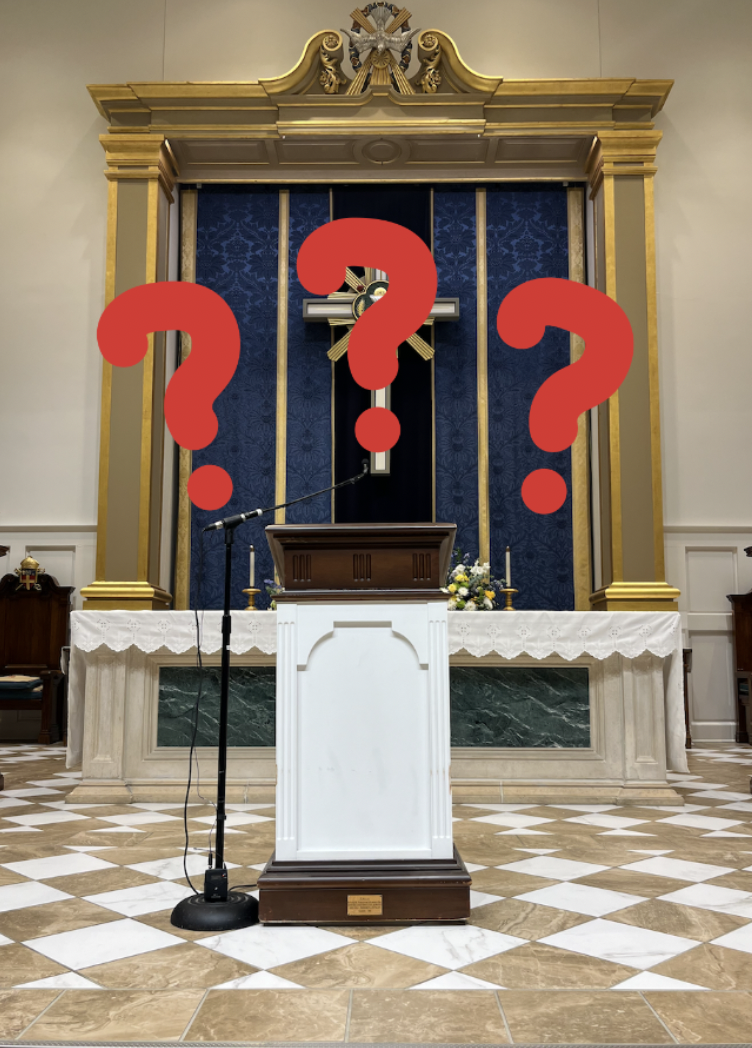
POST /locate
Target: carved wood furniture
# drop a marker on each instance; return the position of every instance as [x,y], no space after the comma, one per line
[34,626]
[742,608]
[364,831]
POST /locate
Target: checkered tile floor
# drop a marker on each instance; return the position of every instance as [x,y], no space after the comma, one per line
[589,923]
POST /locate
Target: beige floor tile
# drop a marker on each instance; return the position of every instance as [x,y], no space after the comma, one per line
[19,964]
[112,1015]
[717,967]
[363,931]
[271,1015]
[97,881]
[7,876]
[675,919]
[508,882]
[741,880]
[582,1018]
[527,920]
[427,1016]
[632,881]
[19,1008]
[485,852]
[184,967]
[53,917]
[705,1018]
[537,966]
[358,965]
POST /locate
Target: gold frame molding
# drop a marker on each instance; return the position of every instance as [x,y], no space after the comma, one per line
[454,126]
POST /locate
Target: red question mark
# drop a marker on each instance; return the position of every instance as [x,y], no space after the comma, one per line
[215,350]
[521,322]
[372,350]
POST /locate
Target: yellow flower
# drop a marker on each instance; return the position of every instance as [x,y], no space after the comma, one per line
[452,588]
[490,594]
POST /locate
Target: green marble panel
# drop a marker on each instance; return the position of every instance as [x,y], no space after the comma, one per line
[520,706]
[251,706]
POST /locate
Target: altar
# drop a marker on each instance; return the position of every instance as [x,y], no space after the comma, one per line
[564,707]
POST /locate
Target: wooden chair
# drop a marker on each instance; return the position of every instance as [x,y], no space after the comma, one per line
[34,626]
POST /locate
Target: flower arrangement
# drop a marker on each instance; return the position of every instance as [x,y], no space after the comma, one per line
[273,589]
[470,585]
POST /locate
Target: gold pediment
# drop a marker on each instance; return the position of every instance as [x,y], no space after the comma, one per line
[315,123]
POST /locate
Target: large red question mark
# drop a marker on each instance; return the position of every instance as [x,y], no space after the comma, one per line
[372,350]
[122,335]
[521,322]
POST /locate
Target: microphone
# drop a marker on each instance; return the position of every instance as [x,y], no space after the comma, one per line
[366,466]
[233,522]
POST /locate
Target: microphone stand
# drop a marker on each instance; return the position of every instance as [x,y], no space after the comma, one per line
[220,909]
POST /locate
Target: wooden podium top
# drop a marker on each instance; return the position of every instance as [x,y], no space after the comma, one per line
[363,562]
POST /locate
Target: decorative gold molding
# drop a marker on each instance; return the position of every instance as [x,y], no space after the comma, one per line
[283,251]
[106,409]
[655,410]
[188,226]
[141,157]
[484,511]
[133,596]
[580,452]
[636,596]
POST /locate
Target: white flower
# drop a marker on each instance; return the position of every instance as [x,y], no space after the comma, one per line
[469,606]
[464,591]
[477,569]
[487,604]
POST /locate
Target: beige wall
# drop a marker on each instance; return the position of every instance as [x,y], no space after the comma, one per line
[52,206]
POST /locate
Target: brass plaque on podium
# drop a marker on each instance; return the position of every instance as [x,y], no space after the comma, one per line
[364,905]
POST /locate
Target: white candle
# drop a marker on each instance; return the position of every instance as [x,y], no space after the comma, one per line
[509,570]
[252,583]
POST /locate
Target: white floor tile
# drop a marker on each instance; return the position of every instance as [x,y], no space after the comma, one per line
[473,867]
[234,819]
[58,866]
[449,947]
[690,786]
[13,802]
[70,774]
[553,869]
[713,897]
[650,851]
[66,981]
[456,981]
[653,981]
[44,818]
[28,893]
[482,899]
[620,943]
[250,807]
[722,795]
[500,807]
[21,829]
[584,807]
[608,822]
[143,818]
[625,833]
[679,869]
[738,939]
[512,819]
[146,898]
[259,981]
[523,831]
[581,898]
[265,946]
[535,851]
[701,822]
[37,791]
[727,833]
[85,947]
[744,806]
[4,940]
[172,869]
[681,775]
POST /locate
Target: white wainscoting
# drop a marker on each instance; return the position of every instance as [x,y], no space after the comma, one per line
[68,553]
[707,563]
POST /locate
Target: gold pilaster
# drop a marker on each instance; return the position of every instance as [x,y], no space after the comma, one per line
[621,168]
[188,226]
[141,172]
[484,509]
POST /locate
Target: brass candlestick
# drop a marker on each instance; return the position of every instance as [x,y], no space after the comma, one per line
[507,591]
[251,598]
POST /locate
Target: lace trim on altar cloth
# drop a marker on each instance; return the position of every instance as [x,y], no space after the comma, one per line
[569,634]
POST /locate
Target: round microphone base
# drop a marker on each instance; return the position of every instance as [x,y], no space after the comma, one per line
[195,914]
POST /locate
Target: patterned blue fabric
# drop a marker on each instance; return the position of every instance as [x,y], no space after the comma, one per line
[309,376]
[236,256]
[527,238]
[456,375]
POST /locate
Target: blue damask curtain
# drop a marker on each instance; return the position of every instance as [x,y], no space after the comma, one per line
[526,238]
[236,255]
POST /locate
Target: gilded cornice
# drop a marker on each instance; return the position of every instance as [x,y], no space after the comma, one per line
[140,156]
[619,153]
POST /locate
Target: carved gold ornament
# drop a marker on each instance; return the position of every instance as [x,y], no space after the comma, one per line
[331,52]
[379,32]
[28,574]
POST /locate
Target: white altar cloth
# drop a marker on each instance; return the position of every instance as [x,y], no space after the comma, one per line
[538,634]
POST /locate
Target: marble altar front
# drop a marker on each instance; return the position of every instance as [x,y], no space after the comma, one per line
[567,706]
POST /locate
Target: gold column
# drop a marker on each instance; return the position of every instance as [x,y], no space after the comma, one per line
[621,169]
[141,173]
[581,539]
[283,264]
